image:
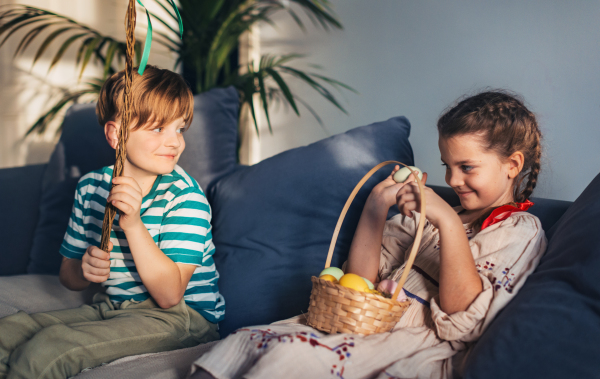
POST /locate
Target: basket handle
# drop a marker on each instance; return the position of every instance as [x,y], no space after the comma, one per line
[418,236]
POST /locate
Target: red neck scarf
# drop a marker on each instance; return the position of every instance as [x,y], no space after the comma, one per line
[503,212]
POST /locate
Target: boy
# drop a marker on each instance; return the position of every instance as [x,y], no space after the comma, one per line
[160,278]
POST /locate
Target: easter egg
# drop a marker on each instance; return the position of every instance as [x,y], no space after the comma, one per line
[371,286]
[401,175]
[354,282]
[387,288]
[329,278]
[333,271]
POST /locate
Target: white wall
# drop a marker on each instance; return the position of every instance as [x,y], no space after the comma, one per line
[414,58]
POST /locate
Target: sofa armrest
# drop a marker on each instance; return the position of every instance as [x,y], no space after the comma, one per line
[19,202]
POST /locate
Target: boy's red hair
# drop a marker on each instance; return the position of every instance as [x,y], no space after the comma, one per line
[159,97]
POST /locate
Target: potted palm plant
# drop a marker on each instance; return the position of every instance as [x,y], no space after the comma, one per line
[207,50]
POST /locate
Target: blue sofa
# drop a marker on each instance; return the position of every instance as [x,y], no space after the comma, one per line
[272,225]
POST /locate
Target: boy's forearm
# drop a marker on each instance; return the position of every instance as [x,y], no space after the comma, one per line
[71,275]
[160,275]
[365,249]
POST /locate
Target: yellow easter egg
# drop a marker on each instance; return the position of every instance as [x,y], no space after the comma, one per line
[333,271]
[329,278]
[354,281]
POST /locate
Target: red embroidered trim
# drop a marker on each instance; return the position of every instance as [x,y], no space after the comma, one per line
[503,212]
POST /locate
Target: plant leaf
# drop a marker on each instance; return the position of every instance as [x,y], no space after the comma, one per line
[263,96]
[48,41]
[63,48]
[88,54]
[284,88]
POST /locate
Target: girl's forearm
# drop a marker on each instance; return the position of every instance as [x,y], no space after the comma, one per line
[365,249]
[459,281]
[160,275]
[71,275]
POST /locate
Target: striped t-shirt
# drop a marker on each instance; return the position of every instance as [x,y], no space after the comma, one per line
[177,216]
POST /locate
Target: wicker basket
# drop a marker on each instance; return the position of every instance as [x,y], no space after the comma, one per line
[337,309]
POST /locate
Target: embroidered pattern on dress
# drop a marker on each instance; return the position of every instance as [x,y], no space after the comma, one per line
[505,281]
[488,266]
[264,337]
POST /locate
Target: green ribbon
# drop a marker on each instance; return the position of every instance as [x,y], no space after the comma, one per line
[148,42]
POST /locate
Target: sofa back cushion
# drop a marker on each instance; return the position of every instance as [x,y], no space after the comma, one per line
[551,328]
[20,193]
[273,221]
[211,152]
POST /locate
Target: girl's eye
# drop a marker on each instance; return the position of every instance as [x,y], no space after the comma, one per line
[466,168]
[445,165]
[181,130]
[157,130]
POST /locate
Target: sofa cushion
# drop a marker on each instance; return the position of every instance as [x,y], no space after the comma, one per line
[20,193]
[273,221]
[551,328]
[210,152]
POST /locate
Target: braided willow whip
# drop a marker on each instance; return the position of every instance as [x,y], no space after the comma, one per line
[110,210]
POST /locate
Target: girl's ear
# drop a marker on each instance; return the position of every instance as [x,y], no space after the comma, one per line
[111,132]
[515,164]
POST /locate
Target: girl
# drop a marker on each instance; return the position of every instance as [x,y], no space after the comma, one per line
[471,261]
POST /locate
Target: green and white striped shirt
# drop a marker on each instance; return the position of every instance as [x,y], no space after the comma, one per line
[177,216]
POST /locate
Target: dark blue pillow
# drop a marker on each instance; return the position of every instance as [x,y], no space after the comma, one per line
[273,221]
[211,152]
[551,328]
[20,193]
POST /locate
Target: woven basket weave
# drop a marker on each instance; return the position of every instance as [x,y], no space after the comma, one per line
[337,309]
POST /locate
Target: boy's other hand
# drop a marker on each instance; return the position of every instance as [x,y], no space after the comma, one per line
[127,197]
[95,264]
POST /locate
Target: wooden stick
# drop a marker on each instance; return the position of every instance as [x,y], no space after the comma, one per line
[110,211]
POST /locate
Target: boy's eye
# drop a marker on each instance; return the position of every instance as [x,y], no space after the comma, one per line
[181,130]
[157,130]
[466,168]
[445,165]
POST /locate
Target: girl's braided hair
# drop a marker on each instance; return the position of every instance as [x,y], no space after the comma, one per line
[507,126]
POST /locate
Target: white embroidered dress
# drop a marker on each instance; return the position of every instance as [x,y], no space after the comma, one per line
[426,342]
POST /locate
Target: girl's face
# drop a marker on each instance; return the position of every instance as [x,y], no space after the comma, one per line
[476,174]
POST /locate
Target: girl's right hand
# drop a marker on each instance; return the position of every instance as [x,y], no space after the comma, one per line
[95,264]
[383,195]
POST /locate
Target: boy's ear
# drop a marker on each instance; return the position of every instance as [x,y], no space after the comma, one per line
[516,162]
[111,131]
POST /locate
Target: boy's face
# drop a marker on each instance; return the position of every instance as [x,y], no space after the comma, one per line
[155,149]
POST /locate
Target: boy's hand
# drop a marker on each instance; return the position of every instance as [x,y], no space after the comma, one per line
[95,264]
[127,197]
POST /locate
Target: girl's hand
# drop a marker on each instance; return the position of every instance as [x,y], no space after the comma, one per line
[408,199]
[383,195]
[95,264]
[127,197]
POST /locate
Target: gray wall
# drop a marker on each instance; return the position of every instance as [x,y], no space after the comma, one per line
[414,58]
